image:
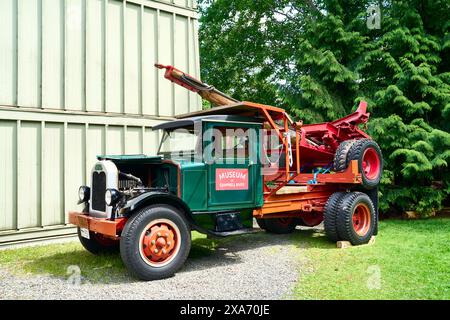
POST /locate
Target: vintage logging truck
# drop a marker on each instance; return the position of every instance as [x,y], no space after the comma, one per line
[146,206]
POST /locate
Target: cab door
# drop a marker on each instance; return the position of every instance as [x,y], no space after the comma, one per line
[233,169]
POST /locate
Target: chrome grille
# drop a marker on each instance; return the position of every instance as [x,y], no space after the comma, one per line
[98,191]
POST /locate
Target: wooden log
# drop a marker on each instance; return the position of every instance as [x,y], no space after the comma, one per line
[343,244]
[215,98]
[347,244]
[292,189]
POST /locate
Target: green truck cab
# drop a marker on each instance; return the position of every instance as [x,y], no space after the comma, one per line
[199,180]
[188,173]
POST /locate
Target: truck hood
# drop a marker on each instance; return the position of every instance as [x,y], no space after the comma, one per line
[131,158]
[143,159]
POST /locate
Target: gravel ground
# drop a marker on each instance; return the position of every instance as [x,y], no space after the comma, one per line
[258,266]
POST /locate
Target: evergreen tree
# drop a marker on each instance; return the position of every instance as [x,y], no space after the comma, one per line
[319,58]
[405,75]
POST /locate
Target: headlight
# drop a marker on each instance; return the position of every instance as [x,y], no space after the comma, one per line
[84,193]
[112,196]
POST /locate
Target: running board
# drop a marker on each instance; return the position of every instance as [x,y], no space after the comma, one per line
[234,232]
[221,234]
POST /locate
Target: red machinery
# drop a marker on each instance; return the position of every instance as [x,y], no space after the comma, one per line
[299,186]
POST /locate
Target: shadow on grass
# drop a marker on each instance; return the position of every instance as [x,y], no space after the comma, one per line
[205,254]
[311,238]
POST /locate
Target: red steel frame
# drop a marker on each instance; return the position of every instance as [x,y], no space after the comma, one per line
[330,134]
[313,199]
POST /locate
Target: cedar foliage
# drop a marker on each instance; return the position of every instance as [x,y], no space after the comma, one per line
[318,58]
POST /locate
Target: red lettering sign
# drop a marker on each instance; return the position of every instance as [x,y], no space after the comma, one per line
[231,179]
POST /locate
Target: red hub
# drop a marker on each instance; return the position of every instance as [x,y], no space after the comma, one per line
[361,219]
[311,219]
[160,242]
[371,163]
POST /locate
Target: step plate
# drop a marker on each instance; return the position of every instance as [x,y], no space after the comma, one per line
[235,232]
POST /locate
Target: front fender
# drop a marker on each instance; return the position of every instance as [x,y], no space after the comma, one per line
[156,197]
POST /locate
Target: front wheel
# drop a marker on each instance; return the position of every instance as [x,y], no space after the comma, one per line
[98,243]
[155,242]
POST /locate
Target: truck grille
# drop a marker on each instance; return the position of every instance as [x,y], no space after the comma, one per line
[98,191]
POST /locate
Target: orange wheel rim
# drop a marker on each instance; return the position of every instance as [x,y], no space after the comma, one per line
[371,164]
[361,219]
[159,242]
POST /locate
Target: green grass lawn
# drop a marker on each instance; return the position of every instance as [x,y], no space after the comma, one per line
[54,259]
[409,260]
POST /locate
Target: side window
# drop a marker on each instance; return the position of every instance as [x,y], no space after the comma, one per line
[230,142]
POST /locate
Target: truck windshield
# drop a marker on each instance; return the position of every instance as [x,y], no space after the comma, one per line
[182,140]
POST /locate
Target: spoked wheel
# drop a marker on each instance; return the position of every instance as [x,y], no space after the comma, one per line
[356,218]
[280,225]
[155,242]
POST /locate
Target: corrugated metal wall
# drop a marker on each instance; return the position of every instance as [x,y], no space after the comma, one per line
[77,79]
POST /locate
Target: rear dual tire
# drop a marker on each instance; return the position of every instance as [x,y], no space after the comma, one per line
[330,215]
[349,216]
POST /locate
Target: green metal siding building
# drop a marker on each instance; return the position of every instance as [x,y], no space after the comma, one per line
[77,80]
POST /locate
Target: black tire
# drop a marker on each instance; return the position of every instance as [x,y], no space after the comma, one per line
[346,226]
[280,225]
[300,222]
[261,223]
[97,244]
[340,162]
[373,195]
[130,242]
[330,214]
[357,152]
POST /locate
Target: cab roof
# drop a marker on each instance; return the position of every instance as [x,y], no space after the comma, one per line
[190,121]
[245,108]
